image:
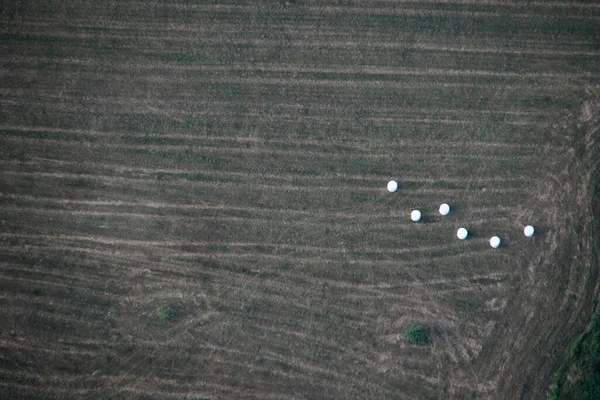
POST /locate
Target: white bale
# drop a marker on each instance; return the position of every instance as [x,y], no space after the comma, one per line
[415,215]
[444,209]
[462,233]
[495,242]
[392,186]
[529,231]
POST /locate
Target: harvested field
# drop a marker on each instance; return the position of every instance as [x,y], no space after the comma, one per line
[193,197]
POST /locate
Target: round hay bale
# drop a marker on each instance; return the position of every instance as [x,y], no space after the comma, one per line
[415,215]
[462,233]
[495,242]
[444,209]
[392,186]
[529,231]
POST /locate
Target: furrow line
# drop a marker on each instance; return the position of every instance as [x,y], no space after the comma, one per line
[206,150]
[422,46]
[219,207]
[337,10]
[296,106]
[283,68]
[217,254]
[275,246]
[286,176]
[44,349]
[220,390]
[496,3]
[56,303]
[366,70]
[355,144]
[269,355]
[15,309]
[241,278]
[371,70]
[170,112]
[402,225]
[266,187]
[42,282]
[379,288]
[51,392]
[246,291]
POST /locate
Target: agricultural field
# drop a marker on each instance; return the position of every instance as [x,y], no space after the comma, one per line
[193,197]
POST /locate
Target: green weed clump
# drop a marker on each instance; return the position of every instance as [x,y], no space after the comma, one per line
[165,314]
[415,335]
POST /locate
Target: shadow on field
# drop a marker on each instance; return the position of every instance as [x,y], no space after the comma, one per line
[475,233]
[427,219]
[504,243]
[541,231]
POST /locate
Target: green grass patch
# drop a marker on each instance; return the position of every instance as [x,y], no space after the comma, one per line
[579,377]
[165,314]
[591,388]
[415,335]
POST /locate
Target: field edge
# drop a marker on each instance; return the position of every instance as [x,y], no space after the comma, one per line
[579,374]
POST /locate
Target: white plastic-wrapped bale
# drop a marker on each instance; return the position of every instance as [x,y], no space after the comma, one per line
[495,242]
[392,186]
[415,215]
[462,233]
[529,231]
[444,209]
